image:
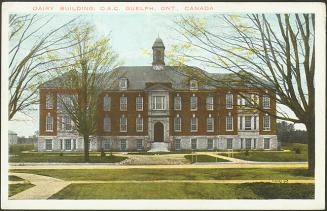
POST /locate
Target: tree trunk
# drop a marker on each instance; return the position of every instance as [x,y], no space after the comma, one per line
[310,125]
[86,148]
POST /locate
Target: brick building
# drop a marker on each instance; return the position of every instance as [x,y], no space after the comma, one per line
[156,104]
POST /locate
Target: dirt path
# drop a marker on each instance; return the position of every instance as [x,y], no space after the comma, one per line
[44,187]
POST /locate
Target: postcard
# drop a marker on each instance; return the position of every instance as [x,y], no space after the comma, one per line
[167,105]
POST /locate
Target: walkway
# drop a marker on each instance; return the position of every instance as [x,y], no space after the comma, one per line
[235,160]
[44,187]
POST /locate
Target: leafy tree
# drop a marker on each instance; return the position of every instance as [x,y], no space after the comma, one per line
[269,52]
[87,78]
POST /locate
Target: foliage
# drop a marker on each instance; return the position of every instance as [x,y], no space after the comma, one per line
[287,133]
[203,158]
[16,149]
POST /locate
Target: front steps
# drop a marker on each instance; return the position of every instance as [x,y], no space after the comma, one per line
[159,147]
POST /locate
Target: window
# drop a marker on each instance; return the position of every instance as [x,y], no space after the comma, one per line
[247,143]
[139,144]
[193,143]
[49,102]
[123,103]
[255,122]
[177,144]
[64,101]
[74,144]
[48,144]
[194,124]
[241,122]
[178,103]
[177,123]
[123,83]
[210,144]
[107,144]
[158,102]
[247,100]
[229,143]
[49,123]
[66,123]
[266,143]
[229,101]
[61,144]
[194,103]
[266,101]
[254,143]
[107,124]
[123,123]
[266,122]
[106,103]
[139,103]
[123,144]
[247,122]
[139,123]
[210,124]
[193,85]
[209,103]
[229,122]
[68,144]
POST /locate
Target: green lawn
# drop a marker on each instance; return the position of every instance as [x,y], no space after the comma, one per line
[186,191]
[269,156]
[66,158]
[15,178]
[173,174]
[17,188]
[203,158]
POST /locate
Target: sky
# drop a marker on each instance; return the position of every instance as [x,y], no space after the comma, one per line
[130,33]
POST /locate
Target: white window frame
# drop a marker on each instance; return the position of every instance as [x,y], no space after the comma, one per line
[229,122]
[139,146]
[46,144]
[229,101]
[156,102]
[139,123]
[266,127]
[194,103]
[194,84]
[178,103]
[194,140]
[107,124]
[123,103]
[122,124]
[123,83]
[107,142]
[264,143]
[209,102]
[177,124]
[49,101]
[177,143]
[194,122]
[212,143]
[67,140]
[210,118]
[121,144]
[66,122]
[106,103]
[49,123]
[246,122]
[266,101]
[139,103]
[229,143]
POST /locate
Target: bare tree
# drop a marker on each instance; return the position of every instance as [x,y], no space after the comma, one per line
[33,57]
[268,52]
[90,75]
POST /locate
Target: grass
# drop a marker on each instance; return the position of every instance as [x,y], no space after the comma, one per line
[186,191]
[65,158]
[173,174]
[203,158]
[16,149]
[15,178]
[17,188]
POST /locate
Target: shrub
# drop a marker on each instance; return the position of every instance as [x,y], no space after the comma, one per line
[297,151]
[246,153]
[16,149]
[61,154]
[102,153]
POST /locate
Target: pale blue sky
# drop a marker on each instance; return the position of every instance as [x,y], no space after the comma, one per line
[130,32]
